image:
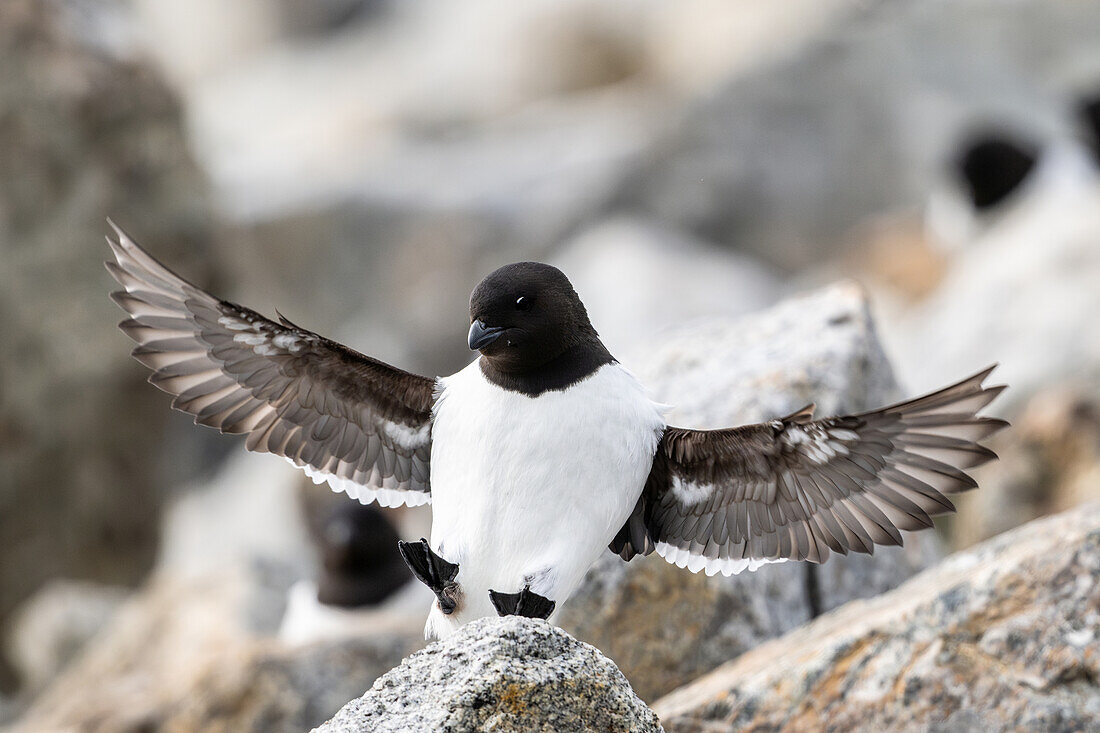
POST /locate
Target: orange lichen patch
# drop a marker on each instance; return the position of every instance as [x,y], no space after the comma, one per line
[513,702]
[831,687]
[900,682]
[512,699]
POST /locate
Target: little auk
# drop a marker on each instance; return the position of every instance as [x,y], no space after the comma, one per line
[545,450]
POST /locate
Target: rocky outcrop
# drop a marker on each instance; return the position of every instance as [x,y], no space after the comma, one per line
[268,686]
[1001,637]
[51,628]
[665,626]
[509,675]
[196,652]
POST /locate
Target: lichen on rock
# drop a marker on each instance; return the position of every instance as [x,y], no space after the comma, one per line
[1001,637]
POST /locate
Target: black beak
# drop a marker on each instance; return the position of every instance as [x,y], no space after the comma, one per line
[482,335]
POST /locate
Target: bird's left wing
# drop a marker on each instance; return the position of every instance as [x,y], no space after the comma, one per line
[797,488]
[362,425]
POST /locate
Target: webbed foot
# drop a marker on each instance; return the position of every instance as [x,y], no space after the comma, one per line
[433,571]
[525,603]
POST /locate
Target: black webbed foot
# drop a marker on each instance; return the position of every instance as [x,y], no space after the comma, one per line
[433,571]
[525,603]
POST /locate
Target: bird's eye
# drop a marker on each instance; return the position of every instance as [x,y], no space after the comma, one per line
[522,303]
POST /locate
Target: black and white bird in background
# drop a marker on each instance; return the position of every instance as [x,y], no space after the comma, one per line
[999,174]
[545,451]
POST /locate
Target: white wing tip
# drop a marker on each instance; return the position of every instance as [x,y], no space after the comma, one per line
[120,236]
[682,558]
[385,497]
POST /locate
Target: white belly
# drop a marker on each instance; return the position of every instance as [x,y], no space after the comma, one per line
[530,490]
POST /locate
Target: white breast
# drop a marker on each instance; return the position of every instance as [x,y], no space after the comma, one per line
[532,489]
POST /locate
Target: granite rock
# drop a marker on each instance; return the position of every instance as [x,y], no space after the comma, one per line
[160,642]
[50,628]
[665,626]
[511,674]
[1000,637]
[199,652]
[268,686]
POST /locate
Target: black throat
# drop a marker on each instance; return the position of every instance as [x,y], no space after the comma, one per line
[561,372]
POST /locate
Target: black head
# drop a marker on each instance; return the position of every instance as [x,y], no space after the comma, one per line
[993,165]
[525,315]
[358,549]
[1088,110]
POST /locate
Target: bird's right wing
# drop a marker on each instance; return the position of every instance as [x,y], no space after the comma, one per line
[362,425]
[797,488]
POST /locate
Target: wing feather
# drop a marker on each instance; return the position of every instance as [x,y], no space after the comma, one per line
[327,409]
[799,489]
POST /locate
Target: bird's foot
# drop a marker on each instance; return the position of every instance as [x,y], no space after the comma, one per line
[433,571]
[525,603]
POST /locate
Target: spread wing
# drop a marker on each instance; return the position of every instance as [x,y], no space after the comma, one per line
[360,424]
[798,488]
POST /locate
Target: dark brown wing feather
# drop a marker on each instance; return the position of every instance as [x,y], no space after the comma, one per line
[360,424]
[796,489]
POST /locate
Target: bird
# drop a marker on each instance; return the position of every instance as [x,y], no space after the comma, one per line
[363,583]
[544,451]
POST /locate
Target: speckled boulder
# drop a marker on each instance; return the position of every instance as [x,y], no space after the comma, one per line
[1003,637]
[510,674]
[196,653]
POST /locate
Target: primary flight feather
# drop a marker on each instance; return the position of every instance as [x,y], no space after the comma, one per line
[545,450]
